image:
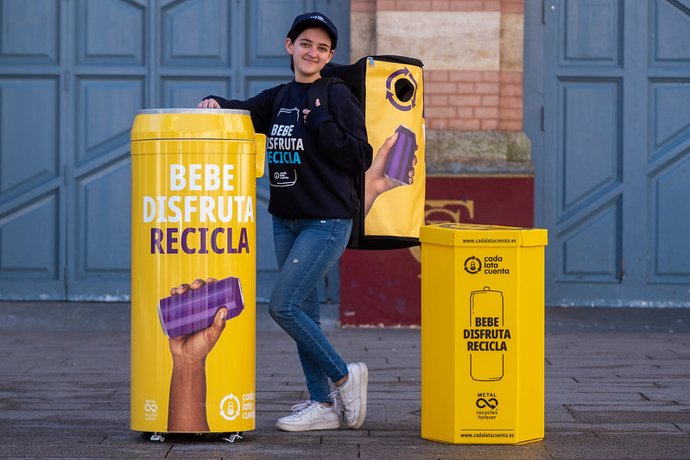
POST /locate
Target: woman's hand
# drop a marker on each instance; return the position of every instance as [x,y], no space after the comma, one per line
[305,112]
[209,103]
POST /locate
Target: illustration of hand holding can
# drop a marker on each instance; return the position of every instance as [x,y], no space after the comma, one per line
[193,317]
[392,166]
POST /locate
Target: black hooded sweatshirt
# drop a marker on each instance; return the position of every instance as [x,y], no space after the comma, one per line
[312,164]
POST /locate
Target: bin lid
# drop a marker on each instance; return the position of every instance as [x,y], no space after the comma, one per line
[458,234]
[224,124]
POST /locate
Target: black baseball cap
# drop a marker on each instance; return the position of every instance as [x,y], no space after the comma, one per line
[314,19]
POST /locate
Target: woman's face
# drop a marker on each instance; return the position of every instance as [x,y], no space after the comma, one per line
[310,52]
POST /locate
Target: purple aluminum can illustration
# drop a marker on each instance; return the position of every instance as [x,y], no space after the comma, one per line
[194,310]
[399,160]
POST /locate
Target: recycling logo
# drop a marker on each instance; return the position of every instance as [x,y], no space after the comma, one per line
[401,89]
[230,407]
[473,265]
[491,403]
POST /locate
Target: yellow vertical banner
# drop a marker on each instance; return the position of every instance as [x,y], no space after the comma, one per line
[395,104]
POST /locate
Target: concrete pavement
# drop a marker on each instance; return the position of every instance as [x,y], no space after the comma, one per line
[617,386]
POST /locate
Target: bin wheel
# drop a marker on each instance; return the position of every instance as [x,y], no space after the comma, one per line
[153,437]
[232,437]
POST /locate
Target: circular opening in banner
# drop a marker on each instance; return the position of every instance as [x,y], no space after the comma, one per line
[404,89]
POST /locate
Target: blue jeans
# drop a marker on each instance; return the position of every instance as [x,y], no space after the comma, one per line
[306,249]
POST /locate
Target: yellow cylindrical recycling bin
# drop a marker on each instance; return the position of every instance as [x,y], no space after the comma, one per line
[482,334]
[194,217]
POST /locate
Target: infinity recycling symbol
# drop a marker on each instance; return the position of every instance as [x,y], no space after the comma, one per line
[491,403]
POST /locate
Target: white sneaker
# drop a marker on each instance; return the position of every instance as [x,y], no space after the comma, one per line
[303,405]
[353,394]
[314,416]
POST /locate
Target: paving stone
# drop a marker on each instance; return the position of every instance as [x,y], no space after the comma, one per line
[617,386]
[618,446]
[614,414]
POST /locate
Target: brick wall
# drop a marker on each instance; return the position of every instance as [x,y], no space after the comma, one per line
[472,51]
[470,100]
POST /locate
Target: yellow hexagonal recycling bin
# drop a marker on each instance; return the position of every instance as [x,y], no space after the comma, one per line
[482,333]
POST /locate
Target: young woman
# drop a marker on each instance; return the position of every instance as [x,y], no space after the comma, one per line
[313,156]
